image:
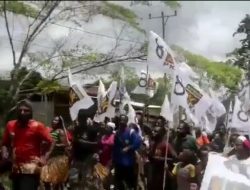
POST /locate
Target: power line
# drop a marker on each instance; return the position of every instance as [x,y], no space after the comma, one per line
[92,33]
[77,29]
[21,41]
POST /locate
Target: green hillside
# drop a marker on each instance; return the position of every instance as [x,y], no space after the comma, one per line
[220,72]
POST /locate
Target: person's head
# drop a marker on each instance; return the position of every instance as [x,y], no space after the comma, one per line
[109,129]
[158,133]
[106,120]
[123,121]
[57,123]
[24,111]
[242,147]
[139,117]
[161,121]
[183,129]
[187,157]
[233,139]
[198,132]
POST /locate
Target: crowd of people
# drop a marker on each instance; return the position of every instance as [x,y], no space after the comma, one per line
[113,154]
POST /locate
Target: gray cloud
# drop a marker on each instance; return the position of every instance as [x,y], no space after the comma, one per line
[204,27]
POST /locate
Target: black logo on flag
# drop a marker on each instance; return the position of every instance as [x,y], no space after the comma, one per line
[159,49]
[194,95]
[143,80]
[182,88]
[242,115]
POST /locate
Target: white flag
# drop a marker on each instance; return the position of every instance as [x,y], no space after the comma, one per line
[146,85]
[208,122]
[166,111]
[78,97]
[187,94]
[217,109]
[244,95]
[240,119]
[160,54]
[185,69]
[131,114]
[105,101]
[225,173]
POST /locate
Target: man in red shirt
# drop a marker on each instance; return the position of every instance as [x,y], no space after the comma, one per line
[23,138]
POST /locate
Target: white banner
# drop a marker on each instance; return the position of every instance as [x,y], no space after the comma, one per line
[106,101]
[240,119]
[166,110]
[131,114]
[187,95]
[226,174]
[78,98]
[160,55]
[146,85]
[244,95]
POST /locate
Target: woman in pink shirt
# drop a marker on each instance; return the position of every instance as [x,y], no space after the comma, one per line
[107,143]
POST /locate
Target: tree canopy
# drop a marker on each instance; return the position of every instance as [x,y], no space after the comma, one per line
[241,56]
[220,72]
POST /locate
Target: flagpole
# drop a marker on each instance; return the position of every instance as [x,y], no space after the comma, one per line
[64,130]
[230,130]
[147,101]
[165,161]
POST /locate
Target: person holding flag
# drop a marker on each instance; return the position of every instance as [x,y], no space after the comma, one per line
[125,146]
[158,148]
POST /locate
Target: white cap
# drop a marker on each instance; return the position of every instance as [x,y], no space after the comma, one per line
[242,138]
[111,124]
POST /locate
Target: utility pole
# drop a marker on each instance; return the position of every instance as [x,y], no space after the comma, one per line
[164,19]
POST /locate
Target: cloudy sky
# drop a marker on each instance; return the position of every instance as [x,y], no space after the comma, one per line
[203,27]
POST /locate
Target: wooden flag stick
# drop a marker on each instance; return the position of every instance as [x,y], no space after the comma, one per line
[64,129]
[165,161]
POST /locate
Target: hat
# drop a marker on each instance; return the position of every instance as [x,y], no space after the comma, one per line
[245,142]
[111,124]
[242,138]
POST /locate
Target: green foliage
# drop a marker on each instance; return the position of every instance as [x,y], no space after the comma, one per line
[118,12]
[220,72]
[131,78]
[31,82]
[20,8]
[172,4]
[241,56]
[48,86]
[4,100]
[91,57]
[144,48]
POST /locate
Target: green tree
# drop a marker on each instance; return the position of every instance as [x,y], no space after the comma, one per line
[171,4]
[241,56]
[220,72]
[81,58]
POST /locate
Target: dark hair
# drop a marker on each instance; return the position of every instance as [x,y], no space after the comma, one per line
[162,119]
[198,132]
[203,148]
[191,157]
[60,124]
[187,128]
